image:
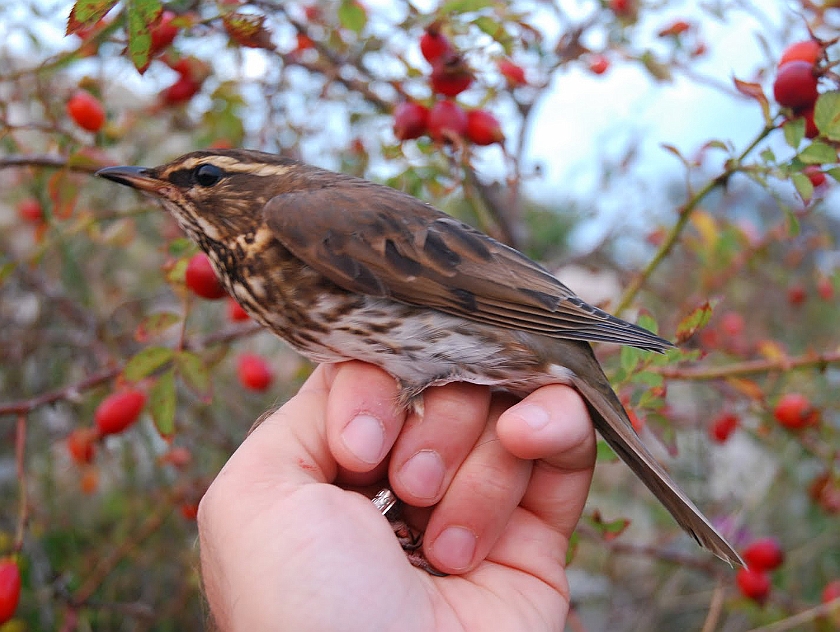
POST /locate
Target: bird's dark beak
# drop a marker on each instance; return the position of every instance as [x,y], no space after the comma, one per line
[139,178]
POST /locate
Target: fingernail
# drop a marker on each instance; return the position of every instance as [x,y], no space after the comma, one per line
[535,416]
[455,547]
[364,436]
[422,475]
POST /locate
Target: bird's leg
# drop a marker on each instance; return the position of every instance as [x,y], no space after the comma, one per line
[410,541]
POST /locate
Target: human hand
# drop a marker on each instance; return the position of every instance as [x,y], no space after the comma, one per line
[286,546]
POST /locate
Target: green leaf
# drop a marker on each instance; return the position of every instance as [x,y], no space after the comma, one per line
[6,270]
[162,403]
[658,70]
[494,28]
[181,246]
[630,357]
[147,362]
[793,220]
[140,15]
[818,153]
[698,318]
[834,172]
[827,115]
[87,13]
[803,185]
[646,321]
[464,6]
[352,16]
[794,131]
[649,378]
[571,549]
[194,373]
[604,453]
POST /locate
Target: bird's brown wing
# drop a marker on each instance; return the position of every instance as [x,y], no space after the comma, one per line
[378,241]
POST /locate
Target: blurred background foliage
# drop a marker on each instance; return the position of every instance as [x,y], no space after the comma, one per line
[736,258]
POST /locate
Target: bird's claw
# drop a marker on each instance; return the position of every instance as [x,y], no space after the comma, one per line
[410,541]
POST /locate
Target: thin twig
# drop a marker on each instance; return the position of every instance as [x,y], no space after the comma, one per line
[46,160]
[107,564]
[22,407]
[715,607]
[796,621]
[708,565]
[20,466]
[686,211]
[25,406]
[749,367]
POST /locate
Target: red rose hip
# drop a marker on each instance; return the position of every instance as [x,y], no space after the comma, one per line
[254,372]
[9,589]
[723,427]
[81,444]
[794,411]
[753,584]
[447,118]
[235,312]
[163,32]
[30,210]
[86,111]
[410,120]
[808,51]
[483,128]
[201,278]
[434,45]
[118,411]
[450,76]
[764,554]
[795,85]
[513,73]
[598,64]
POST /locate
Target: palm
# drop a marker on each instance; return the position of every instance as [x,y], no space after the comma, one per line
[512,589]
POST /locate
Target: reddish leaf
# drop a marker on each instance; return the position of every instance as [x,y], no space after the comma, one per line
[697,319]
[748,388]
[248,30]
[155,324]
[86,13]
[609,530]
[755,92]
[751,90]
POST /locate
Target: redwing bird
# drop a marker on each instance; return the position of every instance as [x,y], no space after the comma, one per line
[342,268]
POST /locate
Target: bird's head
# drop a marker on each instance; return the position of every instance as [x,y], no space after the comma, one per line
[215,195]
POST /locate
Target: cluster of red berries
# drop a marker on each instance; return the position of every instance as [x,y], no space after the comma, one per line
[797,76]
[253,371]
[793,411]
[761,556]
[191,71]
[446,121]
[191,75]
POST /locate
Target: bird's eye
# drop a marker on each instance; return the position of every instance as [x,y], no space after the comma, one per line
[207,175]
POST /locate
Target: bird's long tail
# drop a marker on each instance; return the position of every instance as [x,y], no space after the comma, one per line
[611,421]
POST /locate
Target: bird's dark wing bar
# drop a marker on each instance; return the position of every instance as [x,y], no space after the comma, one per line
[373,239]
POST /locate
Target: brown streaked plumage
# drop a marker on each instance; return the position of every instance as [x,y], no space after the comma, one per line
[342,268]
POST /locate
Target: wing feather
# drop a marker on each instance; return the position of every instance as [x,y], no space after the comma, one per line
[397,246]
